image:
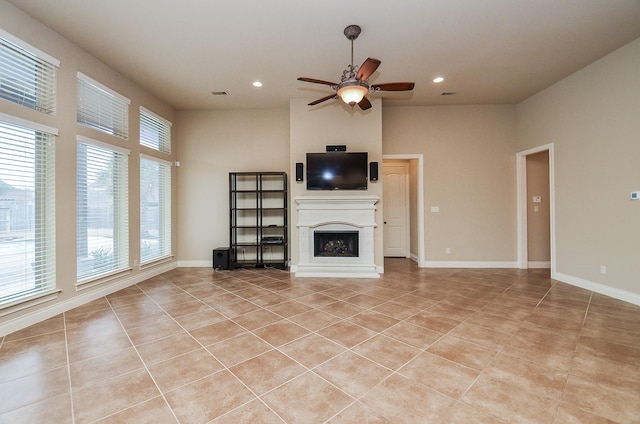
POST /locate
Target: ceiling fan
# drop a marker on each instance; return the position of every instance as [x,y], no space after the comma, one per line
[354,84]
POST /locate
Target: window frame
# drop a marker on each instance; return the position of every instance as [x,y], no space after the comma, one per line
[120,215]
[163,126]
[29,62]
[164,212]
[44,218]
[101,108]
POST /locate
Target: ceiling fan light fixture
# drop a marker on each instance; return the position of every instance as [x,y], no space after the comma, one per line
[353,93]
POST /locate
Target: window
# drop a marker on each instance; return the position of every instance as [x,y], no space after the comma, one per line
[101,108]
[155,209]
[102,210]
[27,211]
[155,132]
[27,75]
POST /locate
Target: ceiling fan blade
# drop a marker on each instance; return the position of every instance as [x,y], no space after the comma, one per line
[317,81]
[394,86]
[367,68]
[364,104]
[324,99]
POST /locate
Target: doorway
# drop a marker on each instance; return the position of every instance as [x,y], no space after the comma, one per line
[411,165]
[536,196]
[396,224]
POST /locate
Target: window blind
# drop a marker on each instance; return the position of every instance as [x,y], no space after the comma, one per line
[101,108]
[155,132]
[102,210]
[27,213]
[155,209]
[27,75]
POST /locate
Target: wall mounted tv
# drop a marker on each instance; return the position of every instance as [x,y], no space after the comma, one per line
[337,171]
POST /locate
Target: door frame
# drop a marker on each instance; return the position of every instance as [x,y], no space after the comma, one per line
[521,181]
[420,200]
[407,206]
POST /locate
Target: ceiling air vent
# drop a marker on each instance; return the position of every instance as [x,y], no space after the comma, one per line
[448,93]
[219,93]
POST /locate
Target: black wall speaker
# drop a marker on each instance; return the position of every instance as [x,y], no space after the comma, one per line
[299,171]
[336,148]
[373,171]
[221,258]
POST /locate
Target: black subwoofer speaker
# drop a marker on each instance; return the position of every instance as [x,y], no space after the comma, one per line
[221,258]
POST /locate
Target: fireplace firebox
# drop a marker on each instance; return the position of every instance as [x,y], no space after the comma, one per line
[336,244]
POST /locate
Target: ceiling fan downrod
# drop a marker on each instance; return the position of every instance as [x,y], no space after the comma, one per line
[351,32]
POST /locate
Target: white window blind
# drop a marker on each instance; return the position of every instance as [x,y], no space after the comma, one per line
[155,209]
[102,210]
[27,213]
[101,108]
[155,132]
[27,75]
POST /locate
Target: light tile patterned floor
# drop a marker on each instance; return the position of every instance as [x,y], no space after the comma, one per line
[260,346]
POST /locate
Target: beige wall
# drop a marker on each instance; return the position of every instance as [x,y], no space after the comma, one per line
[73,60]
[334,123]
[593,119]
[538,214]
[212,144]
[469,174]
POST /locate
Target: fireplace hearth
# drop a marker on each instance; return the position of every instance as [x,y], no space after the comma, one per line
[336,244]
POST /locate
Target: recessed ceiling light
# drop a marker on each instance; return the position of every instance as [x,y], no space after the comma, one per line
[257,84]
[438,80]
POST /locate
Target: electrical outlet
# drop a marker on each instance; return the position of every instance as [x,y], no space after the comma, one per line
[603,269]
[447,250]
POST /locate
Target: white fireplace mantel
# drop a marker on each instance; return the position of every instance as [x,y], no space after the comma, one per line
[337,213]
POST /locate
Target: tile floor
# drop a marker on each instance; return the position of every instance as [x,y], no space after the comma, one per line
[260,346]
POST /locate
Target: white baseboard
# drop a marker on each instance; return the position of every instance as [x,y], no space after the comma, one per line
[35,317]
[539,264]
[469,264]
[613,292]
[195,264]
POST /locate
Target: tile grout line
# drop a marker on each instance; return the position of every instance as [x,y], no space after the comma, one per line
[225,367]
[146,368]
[569,372]
[66,345]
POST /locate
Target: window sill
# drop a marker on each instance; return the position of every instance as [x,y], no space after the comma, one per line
[28,302]
[155,262]
[101,279]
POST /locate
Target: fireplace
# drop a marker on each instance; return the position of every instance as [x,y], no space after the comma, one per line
[336,236]
[337,244]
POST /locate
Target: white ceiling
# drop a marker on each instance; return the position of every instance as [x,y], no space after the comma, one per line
[489,51]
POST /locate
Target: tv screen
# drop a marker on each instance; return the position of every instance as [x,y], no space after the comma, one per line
[337,171]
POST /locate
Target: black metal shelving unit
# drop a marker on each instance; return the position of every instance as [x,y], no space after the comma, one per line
[258,219]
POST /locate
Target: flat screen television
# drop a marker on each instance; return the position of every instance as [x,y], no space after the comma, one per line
[337,171]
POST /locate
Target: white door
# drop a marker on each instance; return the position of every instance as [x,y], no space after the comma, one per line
[396,209]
